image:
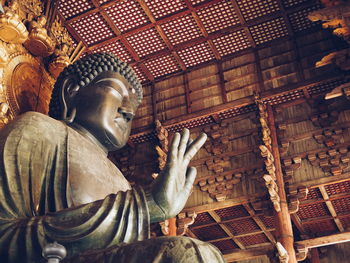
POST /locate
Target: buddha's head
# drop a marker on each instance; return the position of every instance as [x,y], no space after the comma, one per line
[98,94]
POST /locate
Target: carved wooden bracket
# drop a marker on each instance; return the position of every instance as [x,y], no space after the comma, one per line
[183,221]
[217,165]
[301,252]
[291,165]
[219,187]
[162,148]
[282,253]
[333,161]
[294,198]
[325,119]
[217,140]
[329,137]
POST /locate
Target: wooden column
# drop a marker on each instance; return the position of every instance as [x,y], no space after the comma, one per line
[283,219]
[172,226]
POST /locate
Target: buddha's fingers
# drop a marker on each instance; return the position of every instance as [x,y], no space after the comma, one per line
[190,177]
[185,135]
[173,151]
[194,147]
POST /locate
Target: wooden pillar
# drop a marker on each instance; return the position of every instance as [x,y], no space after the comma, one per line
[315,258]
[172,226]
[283,219]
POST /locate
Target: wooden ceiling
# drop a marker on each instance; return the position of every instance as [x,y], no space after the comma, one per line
[160,38]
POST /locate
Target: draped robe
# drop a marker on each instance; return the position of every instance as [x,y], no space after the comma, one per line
[38,155]
[56,185]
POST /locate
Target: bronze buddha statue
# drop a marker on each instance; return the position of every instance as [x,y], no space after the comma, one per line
[57,184]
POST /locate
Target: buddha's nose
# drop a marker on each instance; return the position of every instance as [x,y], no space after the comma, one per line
[127,114]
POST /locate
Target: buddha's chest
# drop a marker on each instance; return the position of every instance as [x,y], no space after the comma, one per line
[91,175]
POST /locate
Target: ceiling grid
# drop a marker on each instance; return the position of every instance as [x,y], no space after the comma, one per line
[186,32]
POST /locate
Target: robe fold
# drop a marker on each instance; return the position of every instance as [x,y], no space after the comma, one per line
[36,205]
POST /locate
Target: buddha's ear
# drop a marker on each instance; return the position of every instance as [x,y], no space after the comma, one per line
[69,91]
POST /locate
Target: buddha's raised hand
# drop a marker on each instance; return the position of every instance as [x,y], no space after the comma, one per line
[171,189]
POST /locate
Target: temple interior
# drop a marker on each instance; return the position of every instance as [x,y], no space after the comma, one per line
[266,80]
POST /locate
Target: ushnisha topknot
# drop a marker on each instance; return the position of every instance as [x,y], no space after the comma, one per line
[86,69]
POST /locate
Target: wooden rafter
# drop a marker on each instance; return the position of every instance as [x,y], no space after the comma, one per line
[331,208]
[217,219]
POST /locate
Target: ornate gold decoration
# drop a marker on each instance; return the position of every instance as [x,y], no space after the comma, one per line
[28,87]
[4,113]
[33,7]
[38,42]
[12,30]
[62,37]
[59,62]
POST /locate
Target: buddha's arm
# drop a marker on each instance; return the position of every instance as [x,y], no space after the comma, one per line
[121,217]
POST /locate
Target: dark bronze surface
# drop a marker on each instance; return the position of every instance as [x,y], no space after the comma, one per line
[58,185]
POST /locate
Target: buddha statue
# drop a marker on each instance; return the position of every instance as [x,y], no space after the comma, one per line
[57,184]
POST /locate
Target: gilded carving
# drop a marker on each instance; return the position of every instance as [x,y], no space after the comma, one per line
[282,253]
[12,30]
[33,7]
[162,148]
[62,37]
[38,42]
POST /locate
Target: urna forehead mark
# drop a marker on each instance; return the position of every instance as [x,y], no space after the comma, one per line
[118,82]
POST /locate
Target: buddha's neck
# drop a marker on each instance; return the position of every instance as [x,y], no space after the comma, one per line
[85,133]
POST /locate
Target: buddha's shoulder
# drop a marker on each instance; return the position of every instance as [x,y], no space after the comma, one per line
[35,123]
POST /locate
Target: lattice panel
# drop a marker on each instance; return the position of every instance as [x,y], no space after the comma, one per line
[146,42]
[299,20]
[290,3]
[69,8]
[218,16]
[196,2]
[232,43]
[255,8]
[253,240]
[181,30]
[243,226]
[232,212]
[144,137]
[237,111]
[101,29]
[268,221]
[225,245]
[313,211]
[269,30]
[314,193]
[325,86]
[321,227]
[196,54]
[127,15]
[191,124]
[293,95]
[209,233]
[116,48]
[165,7]
[341,205]
[162,65]
[345,222]
[339,188]
[142,77]
[203,219]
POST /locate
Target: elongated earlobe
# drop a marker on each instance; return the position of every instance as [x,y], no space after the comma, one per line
[68,92]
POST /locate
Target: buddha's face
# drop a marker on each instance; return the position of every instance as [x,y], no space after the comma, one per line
[105,108]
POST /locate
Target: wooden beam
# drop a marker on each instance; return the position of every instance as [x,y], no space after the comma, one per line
[284,223]
[331,208]
[315,258]
[324,241]
[260,223]
[217,219]
[247,254]
[222,82]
